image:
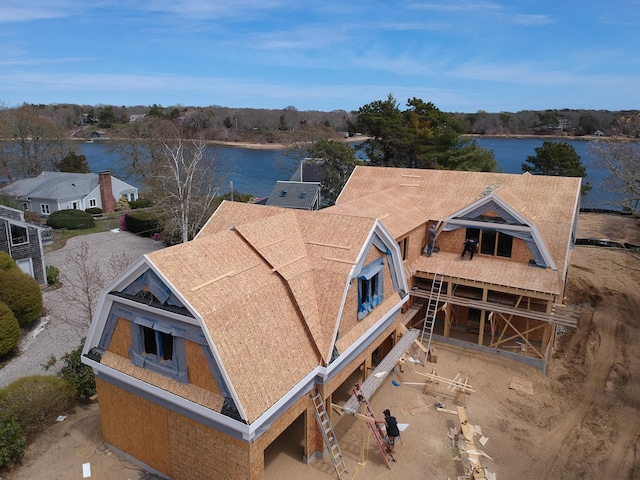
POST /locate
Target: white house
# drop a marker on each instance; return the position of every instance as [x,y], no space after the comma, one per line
[53,191]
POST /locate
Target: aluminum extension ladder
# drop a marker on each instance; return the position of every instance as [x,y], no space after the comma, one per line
[374,427]
[432,310]
[328,434]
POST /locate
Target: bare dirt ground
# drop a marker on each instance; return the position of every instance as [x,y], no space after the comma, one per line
[580,422]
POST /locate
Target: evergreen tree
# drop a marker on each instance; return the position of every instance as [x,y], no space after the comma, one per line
[338,161]
[556,159]
[420,137]
[74,163]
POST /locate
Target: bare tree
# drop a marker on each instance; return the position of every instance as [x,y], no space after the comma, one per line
[36,144]
[620,156]
[187,180]
[84,277]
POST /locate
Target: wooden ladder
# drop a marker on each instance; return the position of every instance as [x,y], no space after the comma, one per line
[328,434]
[374,427]
[432,310]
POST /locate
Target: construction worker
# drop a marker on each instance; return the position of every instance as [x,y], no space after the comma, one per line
[469,246]
[393,432]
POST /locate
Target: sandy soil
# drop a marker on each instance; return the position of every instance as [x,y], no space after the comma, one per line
[580,422]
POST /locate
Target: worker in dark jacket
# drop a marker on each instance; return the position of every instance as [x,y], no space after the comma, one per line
[469,246]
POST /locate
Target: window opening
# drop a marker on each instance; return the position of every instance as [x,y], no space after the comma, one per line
[492,242]
[370,288]
[505,245]
[18,235]
[44,209]
[158,343]
[488,244]
[403,247]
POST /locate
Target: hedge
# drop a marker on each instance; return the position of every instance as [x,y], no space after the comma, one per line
[71,219]
[37,399]
[140,203]
[9,330]
[19,291]
[143,223]
[93,210]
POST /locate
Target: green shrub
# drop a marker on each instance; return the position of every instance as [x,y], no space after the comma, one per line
[53,275]
[140,203]
[93,210]
[12,441]
[9,330]
[71,219]
[143,223]
[36,400]
[79,375]
[19,291]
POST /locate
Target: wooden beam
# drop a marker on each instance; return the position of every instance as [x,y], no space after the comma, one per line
[453,383]
[274,269]
[331,259]
[213,280]
[343,247]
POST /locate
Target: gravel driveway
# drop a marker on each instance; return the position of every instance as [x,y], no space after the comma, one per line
[62,329]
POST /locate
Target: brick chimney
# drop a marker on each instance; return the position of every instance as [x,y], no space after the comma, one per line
[106,192]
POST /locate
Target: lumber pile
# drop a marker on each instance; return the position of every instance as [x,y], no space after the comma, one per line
[463,440]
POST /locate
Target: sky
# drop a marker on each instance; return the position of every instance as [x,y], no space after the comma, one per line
[464,56]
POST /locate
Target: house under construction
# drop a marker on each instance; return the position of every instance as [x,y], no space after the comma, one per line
[206,352]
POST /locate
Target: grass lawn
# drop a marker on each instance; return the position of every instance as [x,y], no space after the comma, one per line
[61,236]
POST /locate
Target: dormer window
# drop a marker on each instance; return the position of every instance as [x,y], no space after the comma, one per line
[370,288]
[159,347]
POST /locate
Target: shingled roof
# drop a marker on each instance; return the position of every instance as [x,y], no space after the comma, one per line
[407,198]
[254,275]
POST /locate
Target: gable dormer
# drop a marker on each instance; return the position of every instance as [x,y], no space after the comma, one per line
[498,222]
[149,333]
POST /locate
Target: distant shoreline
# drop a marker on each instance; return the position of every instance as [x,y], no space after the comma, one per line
[230,144]
[359,139]
[274,146]
[282,146]
[538,137]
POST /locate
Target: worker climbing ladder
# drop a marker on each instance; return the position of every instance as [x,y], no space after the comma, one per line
[328,434]
[376,430]
[432,310]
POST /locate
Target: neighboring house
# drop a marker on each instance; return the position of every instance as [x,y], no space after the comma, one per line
[23,241]
[309,170]
[53,191]
[301,195]
[99,135]
[206,352]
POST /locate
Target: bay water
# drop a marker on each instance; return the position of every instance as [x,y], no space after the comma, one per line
[255,171]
